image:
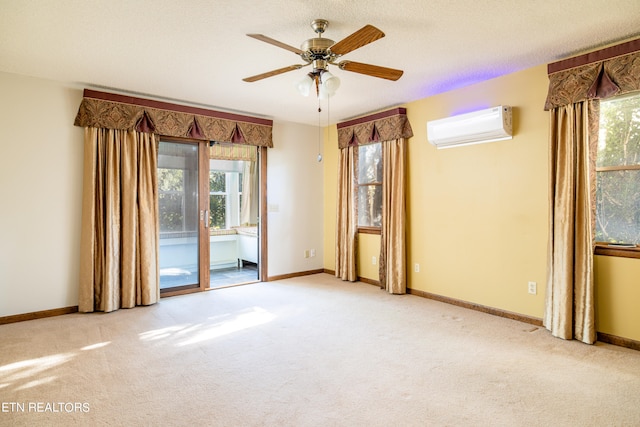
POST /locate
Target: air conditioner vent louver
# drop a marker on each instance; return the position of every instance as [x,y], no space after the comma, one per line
[492,124]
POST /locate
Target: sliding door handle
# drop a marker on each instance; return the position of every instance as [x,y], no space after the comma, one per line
[204,216]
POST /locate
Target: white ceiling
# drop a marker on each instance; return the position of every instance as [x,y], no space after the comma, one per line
[197,52]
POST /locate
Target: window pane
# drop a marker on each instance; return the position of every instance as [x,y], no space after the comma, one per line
[618,206]
[217,182]
[217,209]
[170,179]
[370,163]
[170,199]
[170,209]
[370,205]
[619,138]
[178,179]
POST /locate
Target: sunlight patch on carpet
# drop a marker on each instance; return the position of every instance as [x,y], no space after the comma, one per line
[193,333]
[28,369]
[253,317]
[95,346]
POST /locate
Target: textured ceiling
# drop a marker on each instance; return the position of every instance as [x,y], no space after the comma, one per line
[197,52]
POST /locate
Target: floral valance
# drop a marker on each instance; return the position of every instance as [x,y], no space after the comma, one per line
[384,126]
[597,75]
[113,111]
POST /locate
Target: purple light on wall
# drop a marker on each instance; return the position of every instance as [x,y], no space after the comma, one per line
[471,108]
[460,81]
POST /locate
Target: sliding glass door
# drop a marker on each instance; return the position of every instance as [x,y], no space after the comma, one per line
[209,202]
[182,221]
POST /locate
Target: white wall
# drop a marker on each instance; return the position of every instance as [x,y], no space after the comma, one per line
[40,194]
[294,199]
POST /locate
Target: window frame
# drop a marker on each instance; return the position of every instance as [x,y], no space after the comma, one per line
[606,249]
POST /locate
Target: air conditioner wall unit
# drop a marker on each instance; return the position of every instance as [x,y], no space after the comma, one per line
[491,124]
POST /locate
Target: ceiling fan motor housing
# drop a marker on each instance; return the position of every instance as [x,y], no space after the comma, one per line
[316,50]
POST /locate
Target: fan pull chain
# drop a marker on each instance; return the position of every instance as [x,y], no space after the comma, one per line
[319,133]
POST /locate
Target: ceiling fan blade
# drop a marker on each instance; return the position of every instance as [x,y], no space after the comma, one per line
[363,36]
[371,70]
[276,43]
[272,73]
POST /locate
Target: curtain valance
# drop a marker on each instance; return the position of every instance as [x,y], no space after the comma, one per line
[233,152]
[113,111]
[384,126]
[596,75]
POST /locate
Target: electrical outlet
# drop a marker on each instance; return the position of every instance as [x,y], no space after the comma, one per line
[416,268]
[533,288]
[373,260]
[312,253]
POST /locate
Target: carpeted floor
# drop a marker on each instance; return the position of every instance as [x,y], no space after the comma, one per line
[310,351]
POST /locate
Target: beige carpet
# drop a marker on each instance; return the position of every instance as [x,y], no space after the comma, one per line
[310,351]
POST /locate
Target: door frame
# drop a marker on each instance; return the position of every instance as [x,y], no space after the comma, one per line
[263,275]
[203,207]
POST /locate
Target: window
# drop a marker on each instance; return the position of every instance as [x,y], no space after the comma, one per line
[618,172]
[225,191]
[370,185]
[217,199]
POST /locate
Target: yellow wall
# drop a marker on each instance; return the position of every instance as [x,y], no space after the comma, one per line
[368,247]
[477,215]
[618,296]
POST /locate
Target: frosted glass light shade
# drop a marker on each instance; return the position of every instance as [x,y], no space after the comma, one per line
[330,82]
[304,85]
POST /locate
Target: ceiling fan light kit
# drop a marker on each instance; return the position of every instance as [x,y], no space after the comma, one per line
[330,82]
[304,85]
[321,52]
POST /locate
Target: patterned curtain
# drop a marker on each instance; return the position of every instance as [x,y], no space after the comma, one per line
[119,238]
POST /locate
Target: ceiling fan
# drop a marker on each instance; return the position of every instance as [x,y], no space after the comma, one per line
[321,52]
